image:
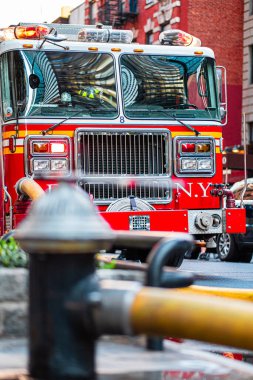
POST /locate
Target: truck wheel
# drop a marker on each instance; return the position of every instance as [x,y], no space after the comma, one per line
[245,255]
[227,249]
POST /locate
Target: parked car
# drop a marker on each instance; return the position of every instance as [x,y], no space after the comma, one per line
[239,247]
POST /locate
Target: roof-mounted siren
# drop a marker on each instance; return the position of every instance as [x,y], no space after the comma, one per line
[105,35]
[176,37]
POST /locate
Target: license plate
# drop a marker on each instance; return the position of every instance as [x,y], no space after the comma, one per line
[139,222]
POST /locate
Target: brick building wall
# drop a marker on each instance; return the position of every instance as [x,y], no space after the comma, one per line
[247,69]
[219,25]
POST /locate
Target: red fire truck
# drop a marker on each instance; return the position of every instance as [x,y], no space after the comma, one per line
[138,126]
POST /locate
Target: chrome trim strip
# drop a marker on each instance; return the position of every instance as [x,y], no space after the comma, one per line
[19,142]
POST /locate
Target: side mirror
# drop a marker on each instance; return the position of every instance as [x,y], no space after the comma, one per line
[223,112]
[34,81]
[222,92]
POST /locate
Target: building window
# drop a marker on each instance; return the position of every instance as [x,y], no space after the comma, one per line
[251,64]
[133,6]
[92,12]
[165,26]
[251,7]
[250,133]
[149,38]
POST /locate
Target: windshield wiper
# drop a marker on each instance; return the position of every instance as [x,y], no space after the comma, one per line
[45,131]
[173,117]
[182,123]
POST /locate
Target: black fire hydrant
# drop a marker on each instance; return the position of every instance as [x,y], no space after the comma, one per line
[62,234]
[68,309]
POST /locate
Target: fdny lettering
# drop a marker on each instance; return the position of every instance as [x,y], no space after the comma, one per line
[201,189]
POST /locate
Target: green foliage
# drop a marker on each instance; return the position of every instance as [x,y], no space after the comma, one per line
[11,255]
[102,265]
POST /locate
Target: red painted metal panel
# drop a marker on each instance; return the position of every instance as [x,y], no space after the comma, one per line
[172,220]
[235,220]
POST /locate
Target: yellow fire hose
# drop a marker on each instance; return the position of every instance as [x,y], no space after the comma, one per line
[173,313]
[240,294]
[29,187]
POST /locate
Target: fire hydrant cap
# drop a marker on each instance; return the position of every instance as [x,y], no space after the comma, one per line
[64,220]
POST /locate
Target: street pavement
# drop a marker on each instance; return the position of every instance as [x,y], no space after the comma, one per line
[127,359]
[220,274]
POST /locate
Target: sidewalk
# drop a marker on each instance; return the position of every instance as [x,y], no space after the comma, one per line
[126,358]
[13,353]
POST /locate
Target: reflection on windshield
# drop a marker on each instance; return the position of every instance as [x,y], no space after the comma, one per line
[152,84]
[59,84]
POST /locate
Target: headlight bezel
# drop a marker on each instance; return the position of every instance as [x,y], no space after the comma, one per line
[34,159]
[194,162]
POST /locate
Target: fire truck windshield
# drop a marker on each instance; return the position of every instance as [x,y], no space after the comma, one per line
[58,84]
[72,84]
[154,84]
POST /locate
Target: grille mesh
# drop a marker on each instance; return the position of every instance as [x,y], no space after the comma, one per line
[105,155]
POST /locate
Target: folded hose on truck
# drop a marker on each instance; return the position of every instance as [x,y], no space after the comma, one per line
[27,186]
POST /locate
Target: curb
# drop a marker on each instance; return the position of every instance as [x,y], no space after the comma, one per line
[14,296]
[13,302]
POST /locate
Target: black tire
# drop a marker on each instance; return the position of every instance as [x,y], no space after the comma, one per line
[194,254]
[245,255]
[227,249]
[134,255]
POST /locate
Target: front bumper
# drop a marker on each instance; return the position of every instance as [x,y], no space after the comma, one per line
[231,221]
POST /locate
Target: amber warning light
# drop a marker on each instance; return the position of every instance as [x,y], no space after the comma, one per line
[34,32]
[31,32]
[49,147]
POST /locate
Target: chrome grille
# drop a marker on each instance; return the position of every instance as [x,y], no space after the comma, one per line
[151,190]
[104,156]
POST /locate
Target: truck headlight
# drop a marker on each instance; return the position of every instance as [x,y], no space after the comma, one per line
[58,165]
[205,164]
[41,165]
[188,164]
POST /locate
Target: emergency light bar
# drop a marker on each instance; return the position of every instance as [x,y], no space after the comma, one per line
[105,35]
[81,33]
[176,37]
